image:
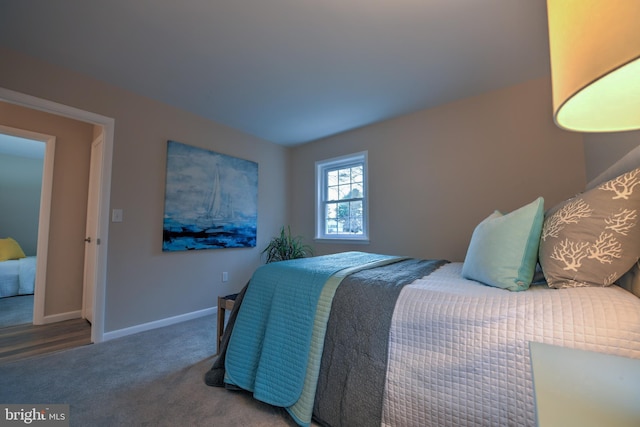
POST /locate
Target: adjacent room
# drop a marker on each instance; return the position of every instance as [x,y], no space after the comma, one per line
[398,213]
[22,162]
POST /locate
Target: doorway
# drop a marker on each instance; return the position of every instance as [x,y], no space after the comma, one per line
[106,124]
[40,148]
[21,166]
[26,175]
[26,160]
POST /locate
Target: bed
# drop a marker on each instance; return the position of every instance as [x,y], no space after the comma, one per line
[17,271]
[17,277]
[368,339]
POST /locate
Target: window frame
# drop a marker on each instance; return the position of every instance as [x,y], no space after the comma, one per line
[322,167]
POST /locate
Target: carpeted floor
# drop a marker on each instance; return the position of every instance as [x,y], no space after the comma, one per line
[16,310]
[154,378]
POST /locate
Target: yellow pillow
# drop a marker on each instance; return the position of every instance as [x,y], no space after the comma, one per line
[10,249]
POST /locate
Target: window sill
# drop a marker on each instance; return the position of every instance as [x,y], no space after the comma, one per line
[358,241]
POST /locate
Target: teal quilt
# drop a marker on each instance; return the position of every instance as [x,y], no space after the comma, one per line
[270,348]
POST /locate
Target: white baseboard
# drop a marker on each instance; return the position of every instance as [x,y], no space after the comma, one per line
[61,317]
[159,323]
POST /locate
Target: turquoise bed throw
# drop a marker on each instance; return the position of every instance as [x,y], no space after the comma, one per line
[269,347]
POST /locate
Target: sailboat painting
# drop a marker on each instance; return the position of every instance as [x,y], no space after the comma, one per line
[211,200]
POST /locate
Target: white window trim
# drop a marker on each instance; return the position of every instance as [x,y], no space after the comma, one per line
[321,166]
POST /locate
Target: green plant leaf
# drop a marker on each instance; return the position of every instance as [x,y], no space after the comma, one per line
[286,247]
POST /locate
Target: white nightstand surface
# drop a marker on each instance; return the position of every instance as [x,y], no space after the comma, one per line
[584,388]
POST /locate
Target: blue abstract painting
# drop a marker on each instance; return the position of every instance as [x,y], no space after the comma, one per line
[211,200]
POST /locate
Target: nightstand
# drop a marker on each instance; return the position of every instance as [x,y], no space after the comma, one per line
[224,304]
[584,388]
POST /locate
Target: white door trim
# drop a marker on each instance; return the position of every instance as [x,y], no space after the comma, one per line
[43,219]
[108,125]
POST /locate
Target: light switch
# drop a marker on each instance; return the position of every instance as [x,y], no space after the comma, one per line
[116,215]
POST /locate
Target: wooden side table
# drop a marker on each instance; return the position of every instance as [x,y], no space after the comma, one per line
[224,304]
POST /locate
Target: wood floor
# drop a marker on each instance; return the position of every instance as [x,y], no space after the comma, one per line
[21,341]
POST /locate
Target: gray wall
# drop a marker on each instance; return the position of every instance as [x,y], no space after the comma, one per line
[435,174]
[603,149]
[20,183]
[143,283]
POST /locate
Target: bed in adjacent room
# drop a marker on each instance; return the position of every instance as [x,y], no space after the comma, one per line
[17,271]
[366,339]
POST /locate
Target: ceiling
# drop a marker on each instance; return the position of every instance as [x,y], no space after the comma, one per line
[289,71]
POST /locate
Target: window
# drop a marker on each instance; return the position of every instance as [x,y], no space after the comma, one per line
[341,195]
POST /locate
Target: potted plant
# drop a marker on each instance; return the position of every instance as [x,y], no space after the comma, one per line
[285,247]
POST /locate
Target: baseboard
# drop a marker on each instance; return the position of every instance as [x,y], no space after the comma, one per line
[159,324]
[61,317]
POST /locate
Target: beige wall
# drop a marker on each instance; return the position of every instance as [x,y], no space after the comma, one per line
[143,283]
[435,174]
[68,202]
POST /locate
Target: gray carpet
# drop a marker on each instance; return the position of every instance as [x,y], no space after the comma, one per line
[154,378]
[16,310]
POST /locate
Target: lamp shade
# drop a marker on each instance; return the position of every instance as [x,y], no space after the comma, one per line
[595,64]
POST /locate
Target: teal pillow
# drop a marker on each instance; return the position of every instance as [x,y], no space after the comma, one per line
[504,248]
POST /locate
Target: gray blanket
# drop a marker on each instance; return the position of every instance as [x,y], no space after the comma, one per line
[353,368]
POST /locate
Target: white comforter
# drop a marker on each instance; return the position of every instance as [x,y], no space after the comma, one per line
[459,351]
[17,277]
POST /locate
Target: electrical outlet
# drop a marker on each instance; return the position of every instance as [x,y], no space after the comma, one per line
[225,276]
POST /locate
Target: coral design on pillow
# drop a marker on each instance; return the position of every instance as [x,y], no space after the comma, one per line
[570,213]
[622,222]
[605,249]
[570,253]
[592,239]
[623,185]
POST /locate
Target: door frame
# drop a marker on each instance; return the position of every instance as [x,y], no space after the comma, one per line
[108,125]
